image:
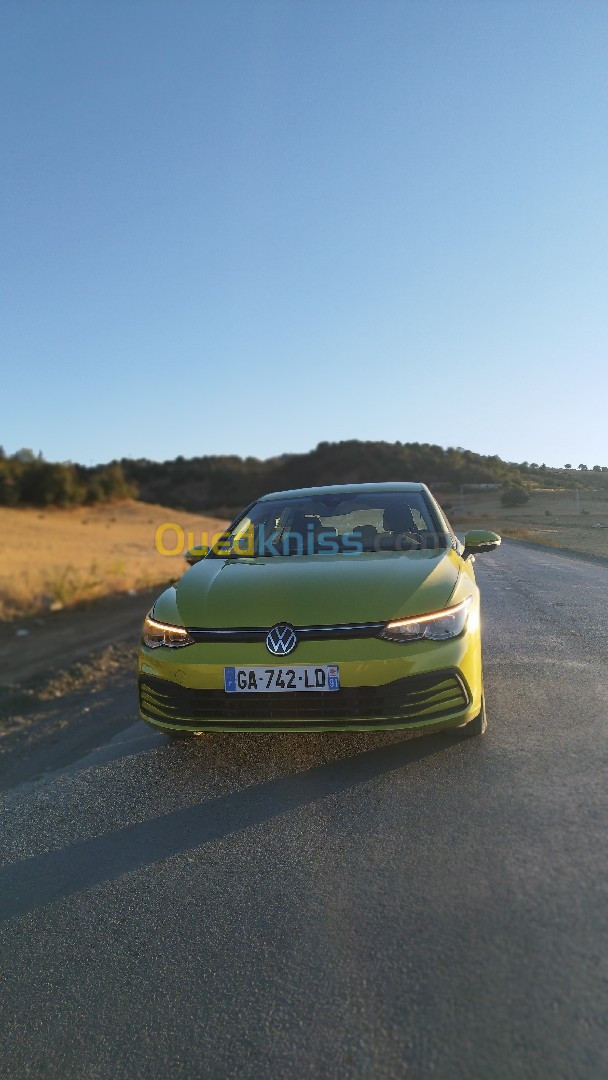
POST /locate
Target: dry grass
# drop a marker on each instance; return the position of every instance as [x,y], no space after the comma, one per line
[58,558]
[550,517]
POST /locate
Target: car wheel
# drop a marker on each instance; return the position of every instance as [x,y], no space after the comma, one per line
[478,724]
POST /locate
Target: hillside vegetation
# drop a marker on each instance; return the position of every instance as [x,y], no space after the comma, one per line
[221,485]
[26,479]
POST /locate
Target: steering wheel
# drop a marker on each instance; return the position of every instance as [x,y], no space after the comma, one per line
[413,536]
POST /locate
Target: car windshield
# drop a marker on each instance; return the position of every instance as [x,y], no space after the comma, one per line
[334,524]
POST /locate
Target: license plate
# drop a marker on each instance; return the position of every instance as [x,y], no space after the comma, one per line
[280,680]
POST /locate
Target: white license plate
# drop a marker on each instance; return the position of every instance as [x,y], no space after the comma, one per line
[280,680]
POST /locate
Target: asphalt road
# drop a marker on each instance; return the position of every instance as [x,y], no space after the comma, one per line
[315,906]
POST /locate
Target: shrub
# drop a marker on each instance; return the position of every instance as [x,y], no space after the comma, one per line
[514,495]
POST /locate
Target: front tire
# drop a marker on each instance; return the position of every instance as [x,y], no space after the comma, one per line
[478,724]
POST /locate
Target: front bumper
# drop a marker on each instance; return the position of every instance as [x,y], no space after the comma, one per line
[383,686]
[417,699]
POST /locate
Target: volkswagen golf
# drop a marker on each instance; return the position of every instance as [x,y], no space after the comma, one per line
[334,608]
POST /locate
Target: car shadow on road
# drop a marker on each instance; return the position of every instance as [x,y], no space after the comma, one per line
[42,879]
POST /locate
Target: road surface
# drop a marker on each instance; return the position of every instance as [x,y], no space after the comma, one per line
[328,906]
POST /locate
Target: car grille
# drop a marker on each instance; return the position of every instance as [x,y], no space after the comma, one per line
[418,697]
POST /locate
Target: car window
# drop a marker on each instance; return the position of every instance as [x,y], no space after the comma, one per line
[336,524]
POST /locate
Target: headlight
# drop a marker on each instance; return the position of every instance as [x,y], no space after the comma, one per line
[156,634]
[438,626]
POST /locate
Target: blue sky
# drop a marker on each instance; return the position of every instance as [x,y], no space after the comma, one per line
[245,227]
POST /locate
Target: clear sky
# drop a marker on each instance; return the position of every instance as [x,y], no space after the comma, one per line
[242,226]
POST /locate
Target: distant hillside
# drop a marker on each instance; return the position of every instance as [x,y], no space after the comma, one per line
[222,485]
[26,479]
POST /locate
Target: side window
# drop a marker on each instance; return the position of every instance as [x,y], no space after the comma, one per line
[452,538]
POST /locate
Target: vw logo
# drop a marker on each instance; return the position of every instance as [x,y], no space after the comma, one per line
[281,639]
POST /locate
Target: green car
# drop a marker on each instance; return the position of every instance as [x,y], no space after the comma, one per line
[340,608]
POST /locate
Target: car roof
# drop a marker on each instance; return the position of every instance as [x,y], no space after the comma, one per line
[346,489]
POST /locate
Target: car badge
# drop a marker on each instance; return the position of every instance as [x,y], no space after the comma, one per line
[281,640]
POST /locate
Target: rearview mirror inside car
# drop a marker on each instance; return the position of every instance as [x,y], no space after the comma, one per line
[195,554]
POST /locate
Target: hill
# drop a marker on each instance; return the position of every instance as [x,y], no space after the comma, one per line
[221,485]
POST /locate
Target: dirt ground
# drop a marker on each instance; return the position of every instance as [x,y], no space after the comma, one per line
[67,683]
[75,586]
[552,518]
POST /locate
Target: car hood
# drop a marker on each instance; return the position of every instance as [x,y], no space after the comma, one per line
[314,590]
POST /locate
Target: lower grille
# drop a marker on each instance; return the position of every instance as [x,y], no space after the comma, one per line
[418,697]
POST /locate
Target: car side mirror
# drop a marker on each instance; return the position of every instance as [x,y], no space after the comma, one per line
[195,554]
[478,540]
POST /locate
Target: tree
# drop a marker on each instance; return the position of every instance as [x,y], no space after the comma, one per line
[597,468]
[568,466]
[584,468]
[45,484]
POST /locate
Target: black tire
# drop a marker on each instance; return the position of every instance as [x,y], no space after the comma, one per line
[478,724]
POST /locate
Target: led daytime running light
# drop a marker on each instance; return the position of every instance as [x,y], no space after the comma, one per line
[157,635]
[414,620]
[165,627]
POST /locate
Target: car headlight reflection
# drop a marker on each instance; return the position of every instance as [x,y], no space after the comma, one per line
[437,626]
[156,634]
